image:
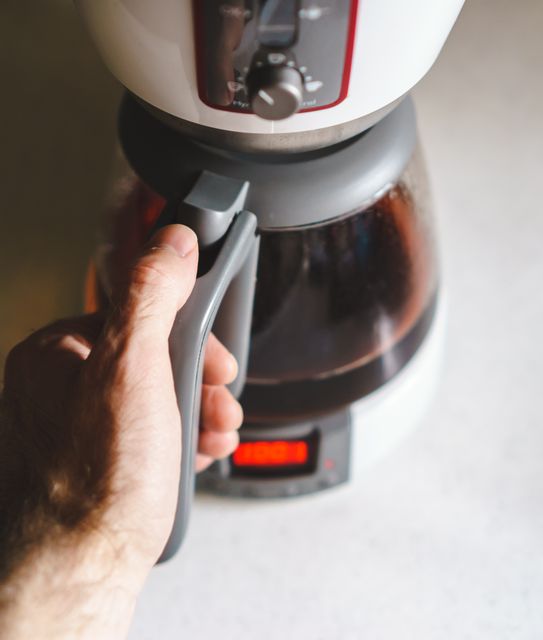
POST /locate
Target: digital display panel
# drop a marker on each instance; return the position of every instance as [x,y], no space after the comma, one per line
[270,454]
[275,457]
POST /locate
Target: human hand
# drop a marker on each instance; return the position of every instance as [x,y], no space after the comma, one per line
[92,446]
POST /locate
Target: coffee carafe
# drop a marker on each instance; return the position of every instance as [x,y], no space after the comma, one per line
[318,265]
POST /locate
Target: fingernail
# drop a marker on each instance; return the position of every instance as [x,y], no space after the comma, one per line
[232,367]
[178,237]
[240,417]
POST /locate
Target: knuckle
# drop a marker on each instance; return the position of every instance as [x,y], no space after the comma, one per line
[150,272]
[159,266]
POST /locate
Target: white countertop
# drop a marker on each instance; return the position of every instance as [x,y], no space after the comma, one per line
[443,538]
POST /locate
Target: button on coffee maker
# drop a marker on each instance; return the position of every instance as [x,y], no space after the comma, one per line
[275,91]
[280,131]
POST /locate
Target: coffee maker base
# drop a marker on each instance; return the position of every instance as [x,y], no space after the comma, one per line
[306,457]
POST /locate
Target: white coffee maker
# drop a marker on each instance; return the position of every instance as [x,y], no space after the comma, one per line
[280,131]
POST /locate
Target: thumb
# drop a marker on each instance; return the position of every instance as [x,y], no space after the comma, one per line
[158,285]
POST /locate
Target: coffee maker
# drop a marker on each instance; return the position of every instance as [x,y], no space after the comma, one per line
[282,133]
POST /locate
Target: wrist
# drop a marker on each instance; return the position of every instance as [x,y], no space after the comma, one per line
[69,588]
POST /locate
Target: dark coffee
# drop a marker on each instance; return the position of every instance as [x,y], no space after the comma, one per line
[334,297]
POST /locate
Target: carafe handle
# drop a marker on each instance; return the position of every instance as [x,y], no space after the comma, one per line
[226,293]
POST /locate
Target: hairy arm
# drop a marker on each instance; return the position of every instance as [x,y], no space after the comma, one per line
[90,452]
[60,572]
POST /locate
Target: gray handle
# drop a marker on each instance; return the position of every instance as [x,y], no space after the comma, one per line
[232,325]
[235,265]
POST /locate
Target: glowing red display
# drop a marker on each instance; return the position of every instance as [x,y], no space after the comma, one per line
[275,453]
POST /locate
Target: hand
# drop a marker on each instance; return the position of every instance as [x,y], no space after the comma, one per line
[92,446]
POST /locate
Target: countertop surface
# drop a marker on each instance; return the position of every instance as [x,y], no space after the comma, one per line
[443,538]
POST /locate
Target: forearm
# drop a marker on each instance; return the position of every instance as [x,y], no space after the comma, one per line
[60,578]
[71,592]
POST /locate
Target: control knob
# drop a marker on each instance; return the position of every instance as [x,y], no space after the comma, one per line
[275,91]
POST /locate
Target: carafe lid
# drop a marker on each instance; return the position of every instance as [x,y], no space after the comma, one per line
[286,191]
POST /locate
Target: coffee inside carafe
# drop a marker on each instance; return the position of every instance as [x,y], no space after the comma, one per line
[332,298]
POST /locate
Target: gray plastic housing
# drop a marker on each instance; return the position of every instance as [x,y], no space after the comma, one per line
[286,191]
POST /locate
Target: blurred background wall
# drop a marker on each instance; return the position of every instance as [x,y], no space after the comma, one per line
[57,123]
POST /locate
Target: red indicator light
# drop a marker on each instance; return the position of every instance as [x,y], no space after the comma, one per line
[276,453]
